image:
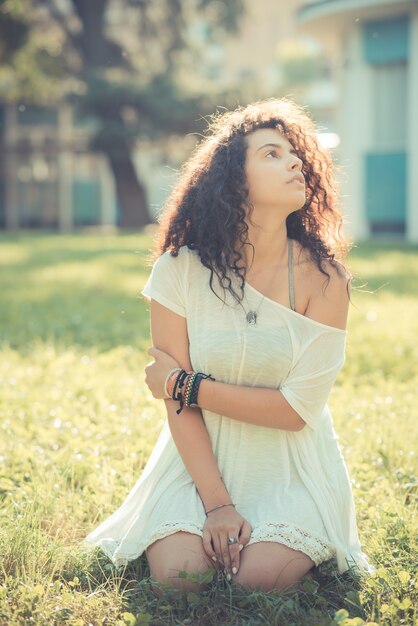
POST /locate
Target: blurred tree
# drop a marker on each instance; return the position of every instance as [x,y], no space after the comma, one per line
[31,60]
[121,63]
[14,30]
[301,64]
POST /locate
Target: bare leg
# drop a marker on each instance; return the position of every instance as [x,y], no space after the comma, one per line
[177,552]
[269,565]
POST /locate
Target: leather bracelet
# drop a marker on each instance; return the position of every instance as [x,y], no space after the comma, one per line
[177,390]
[172,380]
[186,387]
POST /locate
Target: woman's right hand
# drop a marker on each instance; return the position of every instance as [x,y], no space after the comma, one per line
[219,525]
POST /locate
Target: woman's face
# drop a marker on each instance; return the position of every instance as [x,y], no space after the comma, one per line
[271,167]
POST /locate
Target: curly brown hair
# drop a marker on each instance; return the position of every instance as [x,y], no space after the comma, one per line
[206,208]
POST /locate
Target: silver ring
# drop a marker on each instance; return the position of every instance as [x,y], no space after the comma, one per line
[232,540]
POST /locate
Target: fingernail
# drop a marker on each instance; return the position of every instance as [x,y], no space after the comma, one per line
[240,547]
[214,558]
[234,570]
[228,576]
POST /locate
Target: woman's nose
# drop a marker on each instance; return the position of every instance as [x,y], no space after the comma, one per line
[296,162]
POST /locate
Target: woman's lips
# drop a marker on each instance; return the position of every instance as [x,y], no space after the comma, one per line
[297,178]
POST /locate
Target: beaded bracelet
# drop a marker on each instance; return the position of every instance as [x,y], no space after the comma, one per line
[188,388]
[192,398]
[191,388]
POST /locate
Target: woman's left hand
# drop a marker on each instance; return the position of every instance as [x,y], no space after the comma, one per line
[156,372]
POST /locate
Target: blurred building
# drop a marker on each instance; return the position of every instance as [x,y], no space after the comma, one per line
[249,59]
[374,47]
[49,177]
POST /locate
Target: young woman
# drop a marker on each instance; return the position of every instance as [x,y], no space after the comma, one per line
[248,287]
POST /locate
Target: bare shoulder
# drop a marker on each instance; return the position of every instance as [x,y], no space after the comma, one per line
[328,296]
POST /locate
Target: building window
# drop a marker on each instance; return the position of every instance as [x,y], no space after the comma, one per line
[390,97]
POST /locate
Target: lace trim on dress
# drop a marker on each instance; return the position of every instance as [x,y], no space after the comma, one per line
[120,552]
[296,538]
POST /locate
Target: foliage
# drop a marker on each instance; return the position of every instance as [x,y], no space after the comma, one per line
[96,53]
[299,64]
[33,67]
[78,425]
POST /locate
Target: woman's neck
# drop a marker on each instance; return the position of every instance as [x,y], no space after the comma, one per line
[270,248]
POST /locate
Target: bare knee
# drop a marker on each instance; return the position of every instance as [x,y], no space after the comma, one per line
[172,555]
[175,576]
[277,569]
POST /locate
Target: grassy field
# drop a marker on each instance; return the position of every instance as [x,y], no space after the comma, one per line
[78,424]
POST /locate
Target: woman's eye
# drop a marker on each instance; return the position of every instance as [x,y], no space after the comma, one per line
[271,152]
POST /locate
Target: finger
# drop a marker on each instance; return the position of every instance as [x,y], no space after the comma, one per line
[216,559]
[218,547]
[234,551]
[152,350]
[226,556]
[207,545]
[245,533]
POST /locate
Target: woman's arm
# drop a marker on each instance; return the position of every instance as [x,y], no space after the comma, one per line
[268,407]
[254,405]
[264,406]
[169,333]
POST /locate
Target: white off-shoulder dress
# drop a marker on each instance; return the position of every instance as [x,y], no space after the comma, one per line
[292,487]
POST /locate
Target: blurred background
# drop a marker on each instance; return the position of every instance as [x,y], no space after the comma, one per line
[102,100]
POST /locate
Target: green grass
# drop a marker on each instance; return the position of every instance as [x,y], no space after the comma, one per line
[78,424]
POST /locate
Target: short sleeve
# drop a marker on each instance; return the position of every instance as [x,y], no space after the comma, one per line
[310,380]
[167,283]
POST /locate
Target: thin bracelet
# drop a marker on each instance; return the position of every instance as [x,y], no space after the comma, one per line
[219,507]
[171,382]
[175,369]
[178,383]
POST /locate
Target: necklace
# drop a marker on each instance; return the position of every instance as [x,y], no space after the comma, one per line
[251,315]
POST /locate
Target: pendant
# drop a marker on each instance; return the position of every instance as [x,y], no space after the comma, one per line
[252,318]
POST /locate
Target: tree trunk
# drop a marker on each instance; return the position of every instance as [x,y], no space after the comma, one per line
[98,53]
[130,191]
